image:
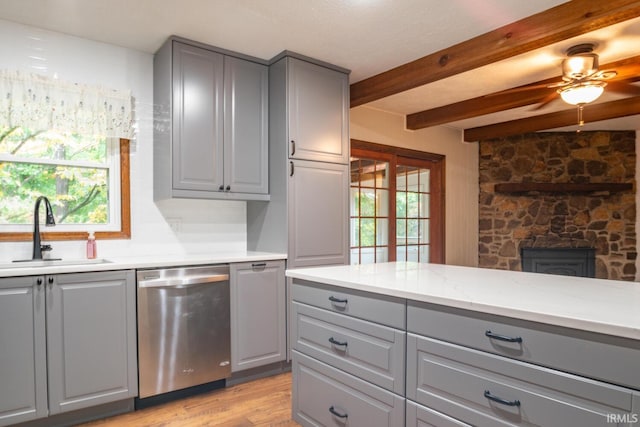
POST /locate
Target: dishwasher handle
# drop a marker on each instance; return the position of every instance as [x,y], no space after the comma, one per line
[181,282]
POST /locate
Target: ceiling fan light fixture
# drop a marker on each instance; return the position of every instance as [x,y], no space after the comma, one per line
[580,66]
[582,93]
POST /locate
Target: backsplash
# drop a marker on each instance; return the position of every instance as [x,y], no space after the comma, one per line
[601,220]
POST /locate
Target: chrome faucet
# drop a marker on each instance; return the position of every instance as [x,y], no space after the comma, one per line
[38,248]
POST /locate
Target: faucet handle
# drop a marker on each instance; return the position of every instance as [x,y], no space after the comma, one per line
[44,248]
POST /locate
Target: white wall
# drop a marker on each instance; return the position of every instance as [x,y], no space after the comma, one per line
[461,178]
[199,226]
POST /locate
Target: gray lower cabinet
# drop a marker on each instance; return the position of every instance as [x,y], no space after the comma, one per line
[326,396]
[258,314]
[211,123]
[355,352]
[488,370]
[346,369]
[67,342]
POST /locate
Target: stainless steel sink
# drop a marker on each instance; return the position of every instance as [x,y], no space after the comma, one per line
[52,263]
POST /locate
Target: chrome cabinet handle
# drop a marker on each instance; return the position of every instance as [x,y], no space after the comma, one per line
[259,265]
[221,188]
[500,400]
[228,188]
[338,343]
[39,281]
[293,147]
[291,168]
[50,280]
[337,414]
[502,337]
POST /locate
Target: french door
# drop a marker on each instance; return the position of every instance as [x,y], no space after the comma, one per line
[396,205]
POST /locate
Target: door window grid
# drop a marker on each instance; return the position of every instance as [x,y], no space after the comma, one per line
[369,211]
[412,213]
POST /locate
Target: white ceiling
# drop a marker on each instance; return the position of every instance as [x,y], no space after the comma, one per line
[365,36]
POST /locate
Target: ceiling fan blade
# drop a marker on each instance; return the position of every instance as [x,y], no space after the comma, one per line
[624,87]
[527,87]
[546,100]
[624,71]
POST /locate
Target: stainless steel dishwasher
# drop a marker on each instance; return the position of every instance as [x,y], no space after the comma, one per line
[184,336]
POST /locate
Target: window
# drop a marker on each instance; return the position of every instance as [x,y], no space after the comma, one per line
[399,193]
[85,178]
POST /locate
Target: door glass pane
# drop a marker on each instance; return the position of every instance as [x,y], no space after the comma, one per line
[424,253]
[401,253]
[382,254]
[412,231]
[367,202]
[401,231]
[354,256]
[401,204]
[424,232]
[382,202]
[367,231]
[412,253]
[382,232]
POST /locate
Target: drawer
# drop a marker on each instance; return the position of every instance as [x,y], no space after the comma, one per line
[367,350]
[382,309]
[325,396]
[483,389]
[421,416]
[610,359]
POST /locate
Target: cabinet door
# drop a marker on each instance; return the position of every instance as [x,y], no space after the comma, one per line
[23,364]
[318,113]
[258,318]
[246,147]
[197,118]
[91,339]
[318,214]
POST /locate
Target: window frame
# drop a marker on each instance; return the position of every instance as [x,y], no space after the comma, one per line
[404,156]
[125,211]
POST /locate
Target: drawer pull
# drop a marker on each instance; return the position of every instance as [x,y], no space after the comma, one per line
[337,300]
[339,343]
[500,400]
[338,414]
[502,337]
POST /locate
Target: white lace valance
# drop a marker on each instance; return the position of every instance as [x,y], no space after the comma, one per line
[41,103]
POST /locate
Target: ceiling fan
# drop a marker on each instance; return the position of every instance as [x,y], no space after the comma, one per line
[582,80]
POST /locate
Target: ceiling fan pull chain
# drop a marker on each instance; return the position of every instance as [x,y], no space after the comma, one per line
[580,120]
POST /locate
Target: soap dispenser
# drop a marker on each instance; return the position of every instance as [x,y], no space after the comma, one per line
[91,246]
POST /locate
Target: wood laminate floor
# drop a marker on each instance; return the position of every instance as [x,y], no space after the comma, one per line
[263,402]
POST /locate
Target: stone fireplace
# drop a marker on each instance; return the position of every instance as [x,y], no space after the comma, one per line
[559,190]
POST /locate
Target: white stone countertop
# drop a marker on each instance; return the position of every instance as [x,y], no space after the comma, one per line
[134,262]
[603,306]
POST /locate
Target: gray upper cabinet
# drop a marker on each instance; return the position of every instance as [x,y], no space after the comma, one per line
[67,342]
[197,117]
[318,112]
[258,320]
[210,124]
[246,126]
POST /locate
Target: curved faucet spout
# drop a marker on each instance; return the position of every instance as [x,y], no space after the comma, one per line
[50,221]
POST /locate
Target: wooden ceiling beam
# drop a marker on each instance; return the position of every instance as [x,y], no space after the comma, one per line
[591,113]
[567,20]
[505,100]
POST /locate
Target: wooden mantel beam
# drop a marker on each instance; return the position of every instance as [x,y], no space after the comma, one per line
[567,20]
[506,100]
[591,113]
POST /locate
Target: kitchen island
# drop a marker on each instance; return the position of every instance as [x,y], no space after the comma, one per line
[405,343]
